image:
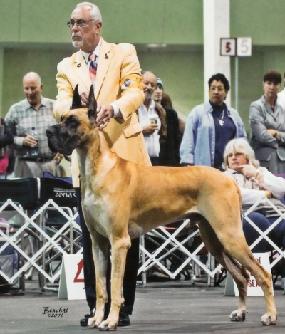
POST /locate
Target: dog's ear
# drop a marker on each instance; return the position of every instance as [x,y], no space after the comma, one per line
[76,100]
[92,105]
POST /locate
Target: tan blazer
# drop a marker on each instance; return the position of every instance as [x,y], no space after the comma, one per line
[118,80]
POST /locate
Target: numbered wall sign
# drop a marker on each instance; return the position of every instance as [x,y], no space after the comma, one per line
[244,46]
[227,46]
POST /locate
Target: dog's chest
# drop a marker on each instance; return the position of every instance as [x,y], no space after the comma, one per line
[95,213]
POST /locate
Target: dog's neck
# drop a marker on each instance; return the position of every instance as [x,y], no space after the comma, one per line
[96,158]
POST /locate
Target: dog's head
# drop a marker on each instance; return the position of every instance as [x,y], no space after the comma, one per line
[75,126]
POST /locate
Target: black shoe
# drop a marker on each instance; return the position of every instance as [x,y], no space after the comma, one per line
[84,321]
[124,320]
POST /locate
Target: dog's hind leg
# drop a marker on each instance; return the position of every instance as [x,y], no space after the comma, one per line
[240,276]
[235,245]
[263,278]
[100,248]
[215,247]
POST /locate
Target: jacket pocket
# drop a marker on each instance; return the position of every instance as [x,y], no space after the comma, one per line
[132,130]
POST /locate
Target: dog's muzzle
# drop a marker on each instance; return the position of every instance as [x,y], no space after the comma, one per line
[55,140]
[60,140]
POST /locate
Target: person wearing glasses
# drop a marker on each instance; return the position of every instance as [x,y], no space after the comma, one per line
[257,184]
[210,126]
[115,73]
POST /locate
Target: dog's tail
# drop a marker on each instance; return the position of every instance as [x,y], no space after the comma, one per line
[240,199]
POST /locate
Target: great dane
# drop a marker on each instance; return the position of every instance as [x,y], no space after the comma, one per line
[121,200]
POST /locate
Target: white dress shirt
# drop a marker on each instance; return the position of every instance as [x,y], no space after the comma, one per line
[145,117]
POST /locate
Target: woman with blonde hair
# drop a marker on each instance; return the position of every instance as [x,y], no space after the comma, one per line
[256,184]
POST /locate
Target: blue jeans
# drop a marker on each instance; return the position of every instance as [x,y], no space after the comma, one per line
[277,235]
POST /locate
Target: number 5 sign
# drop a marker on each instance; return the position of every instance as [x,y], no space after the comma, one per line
[240,46]
[244,47]
[228,47]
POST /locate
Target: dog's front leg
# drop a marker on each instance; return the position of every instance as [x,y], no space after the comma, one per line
[119,249]
[100,250]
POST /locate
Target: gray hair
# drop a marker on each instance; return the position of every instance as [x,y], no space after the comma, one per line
[94,10]
[240,145]
[34,76]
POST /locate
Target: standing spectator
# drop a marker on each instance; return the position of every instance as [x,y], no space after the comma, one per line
[31,117]
[169,154]
[210,126]
[115,72]
[281,95]
[267,122]
[152,118]
[6,138]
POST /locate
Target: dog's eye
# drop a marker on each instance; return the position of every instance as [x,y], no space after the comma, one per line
[72,122]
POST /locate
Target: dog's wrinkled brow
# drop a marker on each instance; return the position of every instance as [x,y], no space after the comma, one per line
[72,121]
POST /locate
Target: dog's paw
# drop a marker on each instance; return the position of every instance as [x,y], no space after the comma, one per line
[108,325]
[268,319]
[91,322]
[238,315]
[96,320]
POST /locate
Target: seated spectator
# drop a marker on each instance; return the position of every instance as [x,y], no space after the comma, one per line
[256,183]
[267,121]
[210,126]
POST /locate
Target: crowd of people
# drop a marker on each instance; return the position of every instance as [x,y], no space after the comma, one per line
[144,127]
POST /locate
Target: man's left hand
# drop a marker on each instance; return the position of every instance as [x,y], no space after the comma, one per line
[105,113]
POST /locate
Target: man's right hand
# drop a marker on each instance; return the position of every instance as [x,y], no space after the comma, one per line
[84,99]
[30,141]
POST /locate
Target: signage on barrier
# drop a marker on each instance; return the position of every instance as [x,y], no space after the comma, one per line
[253,289]
[71,285]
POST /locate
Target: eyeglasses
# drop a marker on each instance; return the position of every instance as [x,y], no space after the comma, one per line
[80,23]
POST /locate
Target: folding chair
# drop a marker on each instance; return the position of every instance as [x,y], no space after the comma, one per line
[58,203]
[167,248]
[17,197]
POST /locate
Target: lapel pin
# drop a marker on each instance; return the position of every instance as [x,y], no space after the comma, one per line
[106,56]
[79,65]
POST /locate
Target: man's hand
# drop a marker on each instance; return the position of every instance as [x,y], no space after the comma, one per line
[104,114]
[30,141]
[84,99]
[272,132]
[149,129]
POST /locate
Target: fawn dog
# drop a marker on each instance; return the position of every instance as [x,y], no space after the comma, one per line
[121,200]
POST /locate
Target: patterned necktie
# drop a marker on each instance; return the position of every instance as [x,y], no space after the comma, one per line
[92,66]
